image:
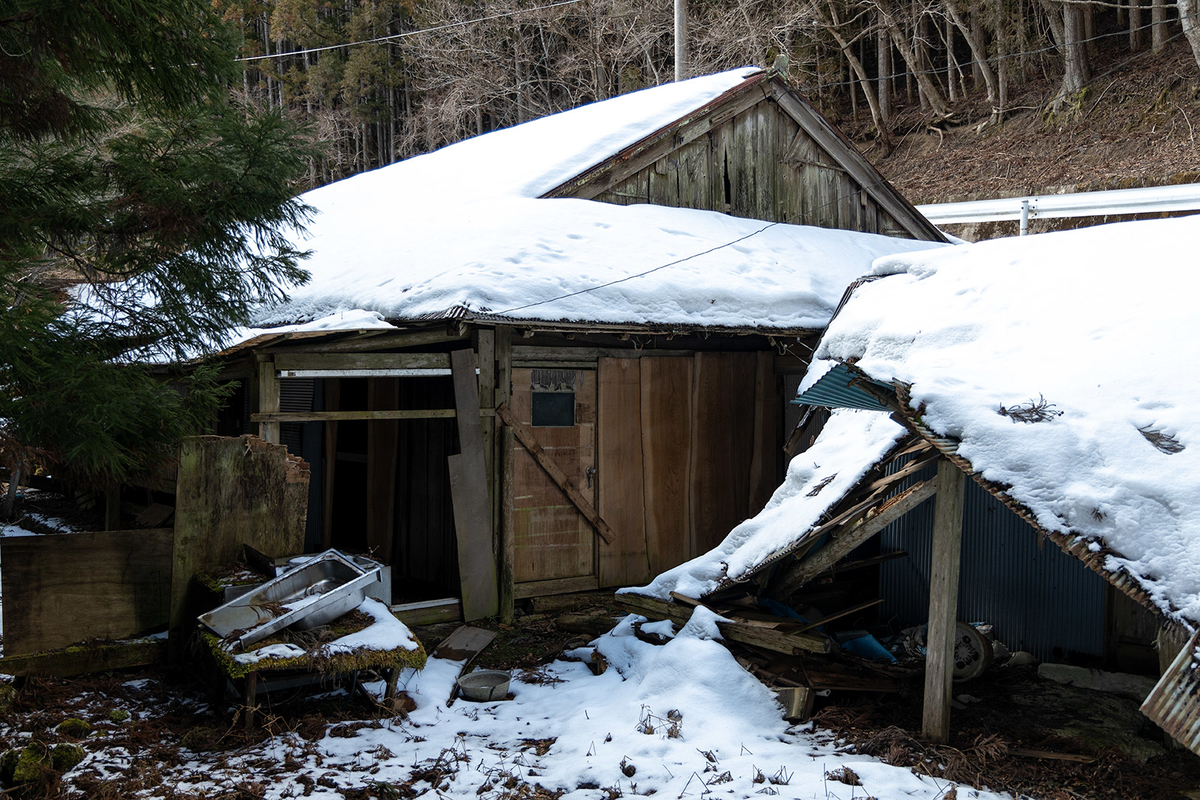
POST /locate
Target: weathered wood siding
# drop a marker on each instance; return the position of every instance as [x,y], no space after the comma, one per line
[757,164]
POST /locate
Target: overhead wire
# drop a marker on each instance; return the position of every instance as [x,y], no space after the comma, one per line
[407,34]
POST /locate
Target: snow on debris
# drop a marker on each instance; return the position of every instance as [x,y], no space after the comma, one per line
[851,443]
[1065,364]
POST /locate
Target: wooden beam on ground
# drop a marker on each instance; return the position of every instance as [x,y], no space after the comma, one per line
[845,541]
[84,659]
[429,612]
[525,435]
[765,638]
[469,494]
[943,601]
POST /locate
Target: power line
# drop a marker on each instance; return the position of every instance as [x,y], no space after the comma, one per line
[640,274]
[406,34]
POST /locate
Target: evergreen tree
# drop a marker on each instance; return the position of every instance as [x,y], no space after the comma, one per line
[144,214]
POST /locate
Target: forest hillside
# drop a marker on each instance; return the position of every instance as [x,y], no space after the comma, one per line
[952,99]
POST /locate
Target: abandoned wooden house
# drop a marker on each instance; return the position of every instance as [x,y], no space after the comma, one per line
[634,362]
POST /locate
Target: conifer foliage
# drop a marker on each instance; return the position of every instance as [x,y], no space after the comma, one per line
[144,213]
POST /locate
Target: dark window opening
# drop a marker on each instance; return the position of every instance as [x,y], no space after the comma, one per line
[553,409]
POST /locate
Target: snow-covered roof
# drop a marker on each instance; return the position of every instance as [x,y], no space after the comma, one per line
[1064,366]
[462,230]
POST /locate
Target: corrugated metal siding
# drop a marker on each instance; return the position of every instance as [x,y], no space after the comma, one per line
[1173,705]
[1038,599]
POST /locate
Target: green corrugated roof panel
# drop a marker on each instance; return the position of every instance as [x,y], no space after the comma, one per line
[834,390]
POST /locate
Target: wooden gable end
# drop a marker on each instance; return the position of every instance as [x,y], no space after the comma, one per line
[758,152]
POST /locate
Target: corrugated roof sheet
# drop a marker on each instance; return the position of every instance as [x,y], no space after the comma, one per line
[842,388]
[1172,705]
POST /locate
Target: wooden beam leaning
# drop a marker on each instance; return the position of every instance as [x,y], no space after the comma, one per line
[943,601]
[529,441]
[469,494]
[843,542]
[776,641]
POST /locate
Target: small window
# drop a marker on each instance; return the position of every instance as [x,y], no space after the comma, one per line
[553,409]
[553,400]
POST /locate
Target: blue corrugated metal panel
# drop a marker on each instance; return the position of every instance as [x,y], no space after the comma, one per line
[1038,599]
[835,390]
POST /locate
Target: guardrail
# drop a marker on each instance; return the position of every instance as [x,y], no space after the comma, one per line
[1184,197]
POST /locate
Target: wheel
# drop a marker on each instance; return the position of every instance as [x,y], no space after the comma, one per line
[972,652]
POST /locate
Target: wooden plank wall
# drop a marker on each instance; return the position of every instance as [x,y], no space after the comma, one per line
[722,445]
[666,421]
[758,164]
[624,561]
[231,492]
[62,589]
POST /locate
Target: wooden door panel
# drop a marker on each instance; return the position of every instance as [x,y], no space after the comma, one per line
[552,540]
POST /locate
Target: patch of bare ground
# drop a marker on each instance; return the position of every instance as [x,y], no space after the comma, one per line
[1020,734]
[1136,124]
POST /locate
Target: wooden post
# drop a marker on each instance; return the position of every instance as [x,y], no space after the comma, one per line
[943,600]
[486,348]
[502,479]
[268,398]
[469,493]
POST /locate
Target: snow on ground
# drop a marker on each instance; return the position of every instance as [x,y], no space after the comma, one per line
[1093,331]
[850,444]
[680,720]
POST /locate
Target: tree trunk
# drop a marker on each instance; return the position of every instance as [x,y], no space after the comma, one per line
[1076,71]
[863,81]
[1135,25]
[1158,33]
[883,57]
[1188,11]
[936,102]
[974,37]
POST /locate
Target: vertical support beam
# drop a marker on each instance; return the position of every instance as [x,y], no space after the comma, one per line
[943,600]
[485,347]
[268,397]
[469,493]
[502,478]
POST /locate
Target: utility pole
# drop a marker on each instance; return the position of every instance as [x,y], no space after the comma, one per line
[680,39]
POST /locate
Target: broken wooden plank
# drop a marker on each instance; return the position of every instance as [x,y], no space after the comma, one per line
[469,495]
[463,645]
[1025,752]
[863,563]
[842,543]
[775,641]
[527,439]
